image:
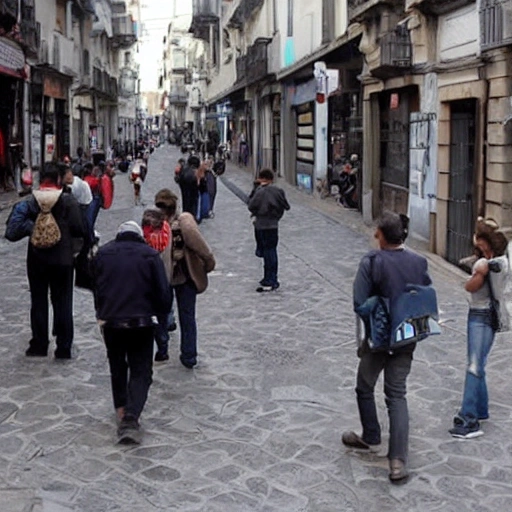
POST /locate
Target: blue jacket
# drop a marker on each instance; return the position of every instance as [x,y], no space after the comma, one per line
[130,284]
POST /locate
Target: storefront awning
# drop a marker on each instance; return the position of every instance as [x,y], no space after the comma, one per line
[12,58]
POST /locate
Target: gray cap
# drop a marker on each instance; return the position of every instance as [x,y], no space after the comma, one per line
[130,226]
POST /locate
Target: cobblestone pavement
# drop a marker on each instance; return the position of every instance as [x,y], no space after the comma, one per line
[256,426]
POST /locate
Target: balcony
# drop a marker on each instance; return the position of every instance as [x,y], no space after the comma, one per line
[204,14]
[495,23]
[30,37]
[244,11]
[64,55]
[436,6]
[395,54]
[254,65]
[123,30]
[178,95]
[360,10]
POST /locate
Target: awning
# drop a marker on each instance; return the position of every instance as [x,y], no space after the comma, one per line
[12,58]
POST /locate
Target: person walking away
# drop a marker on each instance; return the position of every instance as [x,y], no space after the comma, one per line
[130,288]
[385,273]
[487,315]
[49,259]
[192,260]
[267,204]
[91,175]
[188,182]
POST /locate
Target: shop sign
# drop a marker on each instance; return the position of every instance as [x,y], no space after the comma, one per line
[55,88]
[49,144]
[12,59]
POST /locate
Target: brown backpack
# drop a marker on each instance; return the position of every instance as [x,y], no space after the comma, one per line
[46,232]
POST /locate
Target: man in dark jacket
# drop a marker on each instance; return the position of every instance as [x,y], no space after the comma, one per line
[131,288]
[190,185]
[267,203]
[49,269]
[385,273]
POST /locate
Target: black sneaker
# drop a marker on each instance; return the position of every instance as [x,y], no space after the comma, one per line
[465,429]
[267,288]
[63,353]
[159,358]
[172,327]
[35,352]
[128,431]
[187,364]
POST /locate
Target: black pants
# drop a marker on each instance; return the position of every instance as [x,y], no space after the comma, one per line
[130,356]
[58,280]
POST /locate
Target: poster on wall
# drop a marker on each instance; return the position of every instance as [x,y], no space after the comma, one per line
[35,144]
[49,144]
[93,139]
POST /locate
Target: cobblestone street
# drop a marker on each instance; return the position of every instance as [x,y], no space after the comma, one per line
[257,425]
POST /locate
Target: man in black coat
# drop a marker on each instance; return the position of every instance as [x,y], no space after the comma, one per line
[49,269]
[131,288]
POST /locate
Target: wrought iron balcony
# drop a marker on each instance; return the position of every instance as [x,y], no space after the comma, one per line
[395,54]
[178,95]
[254,65]
[359,10]
[241,69]
[495,23]
[204,14]
[123,30]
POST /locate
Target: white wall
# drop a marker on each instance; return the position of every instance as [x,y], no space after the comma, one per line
[458,33]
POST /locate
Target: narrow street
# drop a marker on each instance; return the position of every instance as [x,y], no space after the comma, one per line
[257,425]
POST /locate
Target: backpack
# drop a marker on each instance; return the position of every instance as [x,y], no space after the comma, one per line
[46,232]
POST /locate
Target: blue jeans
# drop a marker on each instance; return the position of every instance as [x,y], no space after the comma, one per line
[186,298]
[397,367]
[91,214]
[266,247]
[475,402]
[162,329]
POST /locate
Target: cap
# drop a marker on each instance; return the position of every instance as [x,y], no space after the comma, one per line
[129,226]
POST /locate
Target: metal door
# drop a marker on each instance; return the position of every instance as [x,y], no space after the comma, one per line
[461,216]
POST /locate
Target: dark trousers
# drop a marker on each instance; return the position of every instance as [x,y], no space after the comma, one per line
[186,295]
[130,356]
[266,248]
[396,368]
[58,280]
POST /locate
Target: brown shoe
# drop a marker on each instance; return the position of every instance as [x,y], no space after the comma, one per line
[397,470]
[352,440]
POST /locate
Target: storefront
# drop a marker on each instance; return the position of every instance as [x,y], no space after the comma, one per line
[12,76]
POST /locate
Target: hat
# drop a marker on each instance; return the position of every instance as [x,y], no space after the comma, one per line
[130,227]
[165,198]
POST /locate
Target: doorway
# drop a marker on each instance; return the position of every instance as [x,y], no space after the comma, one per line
[461,214]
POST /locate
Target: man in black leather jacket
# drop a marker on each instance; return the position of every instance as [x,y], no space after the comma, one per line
[49,269]
[131,288]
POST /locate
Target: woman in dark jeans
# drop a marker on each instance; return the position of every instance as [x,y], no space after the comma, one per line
[491,269]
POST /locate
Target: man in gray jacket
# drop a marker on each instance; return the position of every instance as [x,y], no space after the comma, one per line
[267,204]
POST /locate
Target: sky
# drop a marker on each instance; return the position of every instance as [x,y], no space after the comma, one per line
[155,18]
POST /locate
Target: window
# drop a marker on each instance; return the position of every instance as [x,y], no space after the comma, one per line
[328,19]
[290,18]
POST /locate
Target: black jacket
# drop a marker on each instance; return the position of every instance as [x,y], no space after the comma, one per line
[130,284]
[267,203]
[69,219]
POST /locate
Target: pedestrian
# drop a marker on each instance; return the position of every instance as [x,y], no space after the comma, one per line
[267,204]
[49,259]
[487,315]
[189,182]
[137,177]
[385,273]
[130,289]
[192,260]
[157,233]
[91,175]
